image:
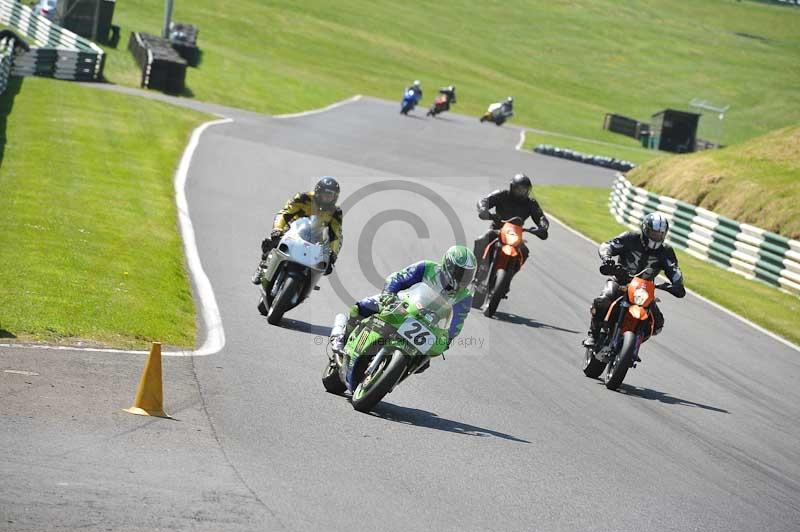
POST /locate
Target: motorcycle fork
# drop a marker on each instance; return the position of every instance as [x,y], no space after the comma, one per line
[612,345]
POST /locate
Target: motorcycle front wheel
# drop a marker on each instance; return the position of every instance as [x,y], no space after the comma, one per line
[501,282]
[618,366]
[282,300]
[374,387]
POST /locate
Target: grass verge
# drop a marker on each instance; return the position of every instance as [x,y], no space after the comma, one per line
[586,210]
[565,63]
[757,182]
[89,247]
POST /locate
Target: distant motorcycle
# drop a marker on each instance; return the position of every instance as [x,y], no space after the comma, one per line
[387,347]
[293,268]
[410,100]
[503,261]
[629,324]
[440,105]
[497,113]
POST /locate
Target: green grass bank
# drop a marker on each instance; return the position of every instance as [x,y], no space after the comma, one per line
[89,246]
[566,63]
[756,182]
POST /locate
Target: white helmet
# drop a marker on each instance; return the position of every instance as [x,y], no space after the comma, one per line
[416,83]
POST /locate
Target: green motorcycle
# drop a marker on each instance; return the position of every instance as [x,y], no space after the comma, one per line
[387,347]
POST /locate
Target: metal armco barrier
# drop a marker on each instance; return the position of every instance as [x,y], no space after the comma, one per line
[55,52]
[741,248]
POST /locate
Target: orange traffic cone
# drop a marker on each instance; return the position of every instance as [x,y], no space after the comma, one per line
[149,395]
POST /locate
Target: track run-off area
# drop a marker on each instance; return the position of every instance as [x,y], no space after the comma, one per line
[505,434]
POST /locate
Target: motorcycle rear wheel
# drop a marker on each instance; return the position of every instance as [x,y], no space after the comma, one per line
[374,387]
[592,367]
[331,381]
[478,299]
[618,366]
[282,300]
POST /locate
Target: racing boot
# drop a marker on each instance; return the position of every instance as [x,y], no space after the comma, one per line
[256,279]
[342,327]
[594,329]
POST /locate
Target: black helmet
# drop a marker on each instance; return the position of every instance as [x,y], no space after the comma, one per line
[326,192]
[655,227]
[520,186]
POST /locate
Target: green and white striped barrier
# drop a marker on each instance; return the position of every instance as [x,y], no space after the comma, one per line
[741,248]
[6,56]
[55,52]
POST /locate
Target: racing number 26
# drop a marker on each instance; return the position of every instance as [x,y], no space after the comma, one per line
[417,334]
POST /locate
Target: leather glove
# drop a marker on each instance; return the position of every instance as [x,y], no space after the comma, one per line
[607,268]
[275,235]
[485,215]
[386,299]
[331,262]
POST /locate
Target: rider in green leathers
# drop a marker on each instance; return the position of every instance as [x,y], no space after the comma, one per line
[451,278]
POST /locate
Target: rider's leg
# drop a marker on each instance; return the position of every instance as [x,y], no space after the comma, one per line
[523,249]
[658,316]
[266,246]
[360,310]
[599,308]
[480,247]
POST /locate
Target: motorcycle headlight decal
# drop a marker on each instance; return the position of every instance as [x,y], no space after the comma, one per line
[640,295]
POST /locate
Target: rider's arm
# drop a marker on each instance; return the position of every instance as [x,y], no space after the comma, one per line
[291,211]
[487,203]
[613,247]
[543,224]
[673,273]
[408,276]
[335,231]
[460,313]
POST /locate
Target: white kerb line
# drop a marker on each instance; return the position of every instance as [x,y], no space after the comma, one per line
[322,110]
[518,147]
[215,334]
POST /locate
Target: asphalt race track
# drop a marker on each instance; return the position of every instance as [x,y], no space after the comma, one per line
[505,434]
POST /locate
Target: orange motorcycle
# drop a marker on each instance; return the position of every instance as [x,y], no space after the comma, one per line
[628,323]
[502,259]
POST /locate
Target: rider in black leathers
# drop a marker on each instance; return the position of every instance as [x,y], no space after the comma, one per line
[636,251]
[450,93]
[516,201]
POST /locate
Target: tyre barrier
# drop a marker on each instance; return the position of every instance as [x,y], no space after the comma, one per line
[744,249]
[183,38]
[596,160]
[162,68]
[54,52]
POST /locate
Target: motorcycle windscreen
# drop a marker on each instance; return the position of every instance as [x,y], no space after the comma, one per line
[311,229]
[422,296]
